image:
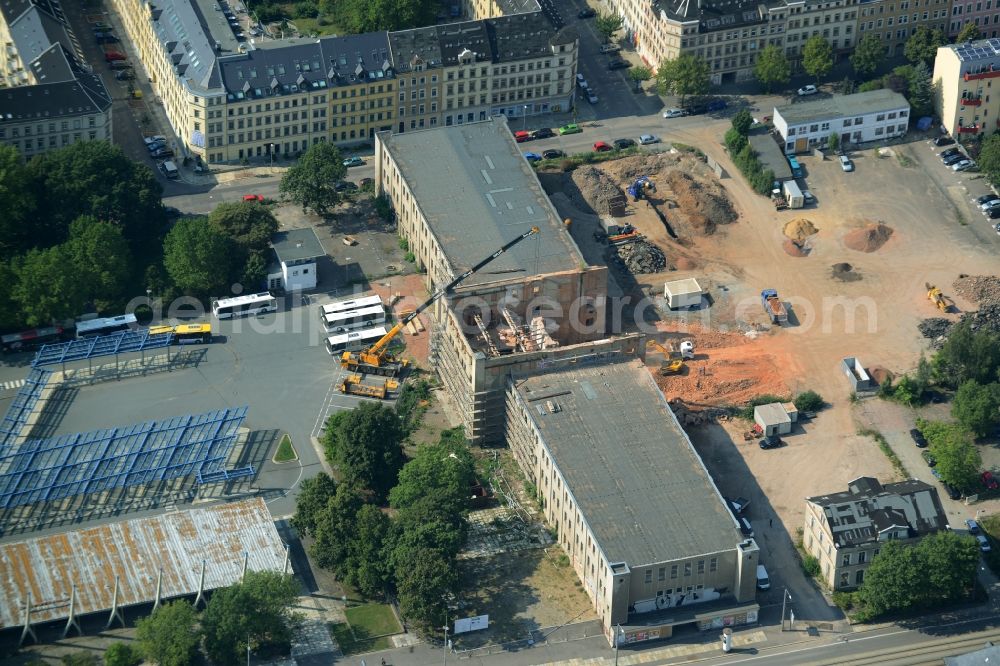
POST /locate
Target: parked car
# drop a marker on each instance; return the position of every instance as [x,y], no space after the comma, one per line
[162,152]
[987,198]
[952,491]
[106,38]
[601,147]
[345,186]
[618,63]
[533,157]
[989,481]
[943,141]
[622,144]
[647,139]
[948,153]
[808,198]
[521,136]
[674,113]
[990,205]
[610,48]
[111,56]
[972,525]
[124,75]
[572,128]
[771,442]
[807,90]
[156,145]
[586,13]
[553,154]
[153,139]
[918,438]
[581,82]
[253,197]
[929,458]
[543,133]
[962,165]
[992,213]
[953,159]
[984,543]
[592,96]
[846,164]
[353,162]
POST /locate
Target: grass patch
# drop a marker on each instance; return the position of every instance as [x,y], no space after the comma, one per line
[367,629]
[313,26]
[571,162]
[904,161]
[883,445]
[350,645]
[285,452]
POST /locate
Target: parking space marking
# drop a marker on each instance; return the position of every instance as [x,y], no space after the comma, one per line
[11,385]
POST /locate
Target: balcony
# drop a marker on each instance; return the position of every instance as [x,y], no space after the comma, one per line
[989,74]
[971,129]
[971,101]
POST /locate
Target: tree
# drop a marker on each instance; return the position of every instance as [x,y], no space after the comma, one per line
[258,608]
[168,636]
[958,459]
[684,76]
[772,68]
[833,141]
[197,256]
[868,55]
[366,447]
[639,74]
[607,25]
[949,564]
[360,16]
[968,354]
[424,525]
[742,122]
[893,580]
[808,401]
[122,654]
[367,566]
[969,33]
[314,494]
[923,45]
[48,288]
[817,57]
[977,406]
[18,205]
[921,91]
[444,471]
[102,259]
[424,583]
[334,529]
[248,224]
[989,158]
[311,182]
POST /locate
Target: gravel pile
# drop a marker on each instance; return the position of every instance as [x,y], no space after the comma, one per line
[982,289]
[934,327]
[639,257]
[987,317]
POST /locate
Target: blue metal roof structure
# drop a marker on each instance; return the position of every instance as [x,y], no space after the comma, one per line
[17,414]
[102,345]
[50,469]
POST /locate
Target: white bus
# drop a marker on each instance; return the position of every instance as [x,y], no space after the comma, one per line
[239,306]
[345,306]
[341,322]
[104,325]
[354,341]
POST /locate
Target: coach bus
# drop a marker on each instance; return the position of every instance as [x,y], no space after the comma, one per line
[240,306]
[354,341]
[341,322]
[353,304]
[104,325]
[31,340]
[185,334]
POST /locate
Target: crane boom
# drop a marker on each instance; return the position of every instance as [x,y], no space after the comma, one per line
[375,355]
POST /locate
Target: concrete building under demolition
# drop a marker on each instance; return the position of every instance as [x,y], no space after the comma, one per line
[538,305]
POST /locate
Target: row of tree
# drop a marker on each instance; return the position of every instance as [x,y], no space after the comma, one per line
[413,553]
[744,156]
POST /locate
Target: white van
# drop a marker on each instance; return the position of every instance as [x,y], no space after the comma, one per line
[763,582]
[170,169]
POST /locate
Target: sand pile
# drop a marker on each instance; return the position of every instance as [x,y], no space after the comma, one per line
[880,375]
[800,229]
[685,264]
[844,272]
[868,238]
[982,289]
[705,206]
[595,188]
[795,248]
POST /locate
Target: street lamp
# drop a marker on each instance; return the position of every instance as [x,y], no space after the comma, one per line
[272,155]
[524,117]
[444,648]
[784,597]
[619,636]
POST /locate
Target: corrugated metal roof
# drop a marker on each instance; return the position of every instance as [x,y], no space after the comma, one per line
[135,550]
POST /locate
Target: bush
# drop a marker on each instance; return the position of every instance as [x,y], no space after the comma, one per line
[121,654]
[80,659]
[811,566]
[383,207]
[305,10]
[404,244]
[410,257]
[808,401]
[844,600]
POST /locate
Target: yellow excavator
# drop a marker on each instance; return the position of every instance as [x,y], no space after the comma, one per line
[354,385]
[376,360]
[673,365]
[935,296]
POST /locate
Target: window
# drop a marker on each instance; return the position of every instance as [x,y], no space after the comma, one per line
[713,565]
[662,574]
[859,577]
[845,579]
[649,575]
[862,557]
[846,560]
[673,571]
[687,568]
[701,566]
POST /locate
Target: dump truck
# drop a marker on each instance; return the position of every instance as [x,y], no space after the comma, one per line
[684,350]
[773,306]
[793,195]
[935,296]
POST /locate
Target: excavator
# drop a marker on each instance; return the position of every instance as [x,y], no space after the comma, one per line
[376,360]
[935,296]
[673,365]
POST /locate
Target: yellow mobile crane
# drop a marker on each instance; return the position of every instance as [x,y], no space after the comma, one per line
[376,360]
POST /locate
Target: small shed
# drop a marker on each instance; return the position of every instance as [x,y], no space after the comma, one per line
[297,252]
[791,410]
[682,293]
[858,377]
[773,419]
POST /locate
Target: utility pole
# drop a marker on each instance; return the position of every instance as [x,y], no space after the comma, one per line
[444,648]
[784,597]
[618,640]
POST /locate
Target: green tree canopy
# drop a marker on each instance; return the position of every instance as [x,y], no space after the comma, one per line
[444,471]
[893,580]
[868,55]
[923,44]
[772,68]
[360,16]
[989,158]
[921,91]
[423,525]
[424,583]
[248,224]
[18,204]
[808,401]
[48,288]
[968,354]
[168,636]
[640,73]
[607,25]
[198,257]
[259,607]
[366,447]
[969,32]
[367,566]
[958,459]
[122,654]
[102,259]
[817,57]
[311,182]
[314,495]
[742,122]
[977,406]
[334,529]
[684,76]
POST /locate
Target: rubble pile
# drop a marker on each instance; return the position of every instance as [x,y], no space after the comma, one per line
[934,327]
[982,289]
[987,317]
[639,257]
[595,188]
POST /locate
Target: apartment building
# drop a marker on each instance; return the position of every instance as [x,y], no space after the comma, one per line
[630,501]
[846,530]
[858,118]
[895,21]
[483,9]
[983,13]
[835,21]
[48,97]
[963,87]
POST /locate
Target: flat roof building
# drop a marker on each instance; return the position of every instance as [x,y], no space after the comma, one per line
[770,155]
[859,118]
[296,251]
[644,525]
[963,75]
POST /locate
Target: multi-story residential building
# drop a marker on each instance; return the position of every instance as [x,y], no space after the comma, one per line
[483,9]
[858,118]
[835,21]
[963,87]
[48,97]
[895,21]
[654,545]
[845,531]
[983,13]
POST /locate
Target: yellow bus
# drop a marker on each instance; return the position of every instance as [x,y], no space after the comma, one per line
[185,334]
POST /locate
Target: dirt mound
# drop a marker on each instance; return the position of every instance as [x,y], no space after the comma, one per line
[844,272]
[982,289]
[639,257]
[596,188]
[868,238]
[704,204]
[795,248]
[800,229]
[685,264]
[880,375]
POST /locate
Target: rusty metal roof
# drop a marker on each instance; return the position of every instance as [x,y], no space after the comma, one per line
[135,550]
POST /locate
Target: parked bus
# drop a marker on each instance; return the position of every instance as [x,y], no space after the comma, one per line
[104,325]
[341,322]
[31,340]
[239,306]
[354,341]
[795,166]
[185,334]
[346,306]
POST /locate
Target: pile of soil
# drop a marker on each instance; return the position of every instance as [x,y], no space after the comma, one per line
[868,238]
[799,229]
[844,272]
[880,375]
[685,264]
[705,207]
[639,257]
[982,289]
[795,248]
[596,188]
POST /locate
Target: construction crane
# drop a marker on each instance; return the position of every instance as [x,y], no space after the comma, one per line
[376,359]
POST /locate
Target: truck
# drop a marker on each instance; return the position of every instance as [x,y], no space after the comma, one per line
[793,195]
[795,166]
[773,306]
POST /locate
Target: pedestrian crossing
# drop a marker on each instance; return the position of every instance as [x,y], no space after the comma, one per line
[11,385]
